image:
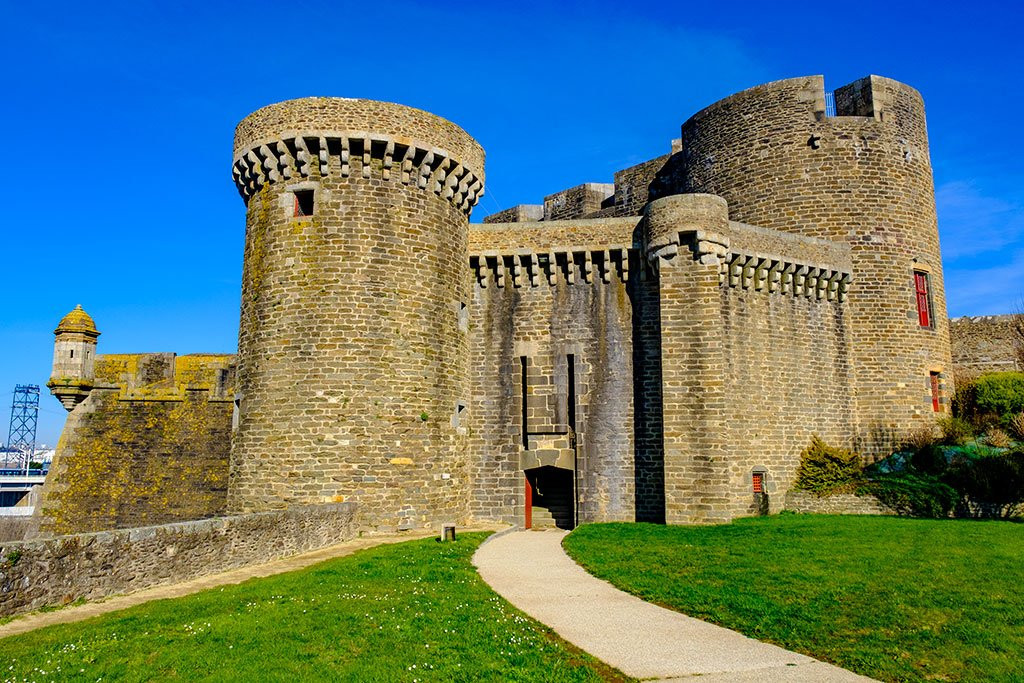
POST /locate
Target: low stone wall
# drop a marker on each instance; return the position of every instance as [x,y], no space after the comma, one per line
[94,565]
[836,504]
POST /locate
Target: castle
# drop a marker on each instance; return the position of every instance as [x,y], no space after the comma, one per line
[659,348]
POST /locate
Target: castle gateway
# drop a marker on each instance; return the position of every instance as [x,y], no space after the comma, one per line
[659,348]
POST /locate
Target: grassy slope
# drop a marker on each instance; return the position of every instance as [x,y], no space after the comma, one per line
[406,612]
[896,599]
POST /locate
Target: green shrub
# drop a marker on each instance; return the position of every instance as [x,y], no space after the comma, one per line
[1000,393]
[956,431]
[917,495]
[825,468]
[989,486]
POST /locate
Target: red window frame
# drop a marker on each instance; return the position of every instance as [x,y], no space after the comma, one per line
[936,403]
[924,310]
[758,481]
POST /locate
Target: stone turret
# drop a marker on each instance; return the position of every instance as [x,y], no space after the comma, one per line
[74,358]
[859,175]
[351,357]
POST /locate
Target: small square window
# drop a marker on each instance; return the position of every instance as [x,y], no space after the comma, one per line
[758,481]
[303,203]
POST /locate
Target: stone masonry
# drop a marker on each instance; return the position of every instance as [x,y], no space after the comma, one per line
[659,348]
[987,343]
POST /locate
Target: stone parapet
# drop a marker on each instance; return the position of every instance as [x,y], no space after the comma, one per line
[521,213]
[323,114]
[594,233]
[578,202]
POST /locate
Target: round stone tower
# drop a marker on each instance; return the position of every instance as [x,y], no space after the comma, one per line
[74,358]
[859,174]
[352,361]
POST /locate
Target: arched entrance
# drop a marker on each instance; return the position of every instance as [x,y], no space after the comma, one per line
[550,499]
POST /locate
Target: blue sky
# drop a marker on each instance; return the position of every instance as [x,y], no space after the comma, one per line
[119,119]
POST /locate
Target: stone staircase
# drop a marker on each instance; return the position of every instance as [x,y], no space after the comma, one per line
[553,510]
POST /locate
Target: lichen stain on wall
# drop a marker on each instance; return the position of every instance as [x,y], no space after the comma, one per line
[143,454]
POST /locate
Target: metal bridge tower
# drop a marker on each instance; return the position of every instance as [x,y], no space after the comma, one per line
[21,436]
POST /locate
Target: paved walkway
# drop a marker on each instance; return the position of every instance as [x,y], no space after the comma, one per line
[34,620]
[530,570]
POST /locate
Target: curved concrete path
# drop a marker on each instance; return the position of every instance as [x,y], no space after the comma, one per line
[530,570]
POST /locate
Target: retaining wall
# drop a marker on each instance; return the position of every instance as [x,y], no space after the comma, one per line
[836,504]
[94,565]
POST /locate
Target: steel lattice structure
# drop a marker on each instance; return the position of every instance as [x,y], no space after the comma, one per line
[21,436]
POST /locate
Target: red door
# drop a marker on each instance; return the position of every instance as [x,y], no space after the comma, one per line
[529,504]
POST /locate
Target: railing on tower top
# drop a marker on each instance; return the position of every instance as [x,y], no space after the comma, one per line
[830,104]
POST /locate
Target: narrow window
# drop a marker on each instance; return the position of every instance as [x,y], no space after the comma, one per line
[934,382]
[924,305]
[457,416]
[303,203]
[570,367]
[72,353]
[758,479]
[525,390]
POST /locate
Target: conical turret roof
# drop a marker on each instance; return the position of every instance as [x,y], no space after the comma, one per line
[77,321]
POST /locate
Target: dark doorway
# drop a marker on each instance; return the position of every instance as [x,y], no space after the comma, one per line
[552,498]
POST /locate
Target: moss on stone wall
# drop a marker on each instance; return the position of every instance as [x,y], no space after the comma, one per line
[139,453]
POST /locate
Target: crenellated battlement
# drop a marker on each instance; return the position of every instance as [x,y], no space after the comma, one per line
[315,155]
[745,268]
[528,268]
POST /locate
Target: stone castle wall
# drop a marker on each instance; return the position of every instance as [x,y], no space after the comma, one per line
[989,343]
[149,445]
[787,355]
[546,297]
[60,570]
[755,346]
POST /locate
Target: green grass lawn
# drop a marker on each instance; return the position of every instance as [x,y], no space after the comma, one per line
[892,598]
[414,611]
